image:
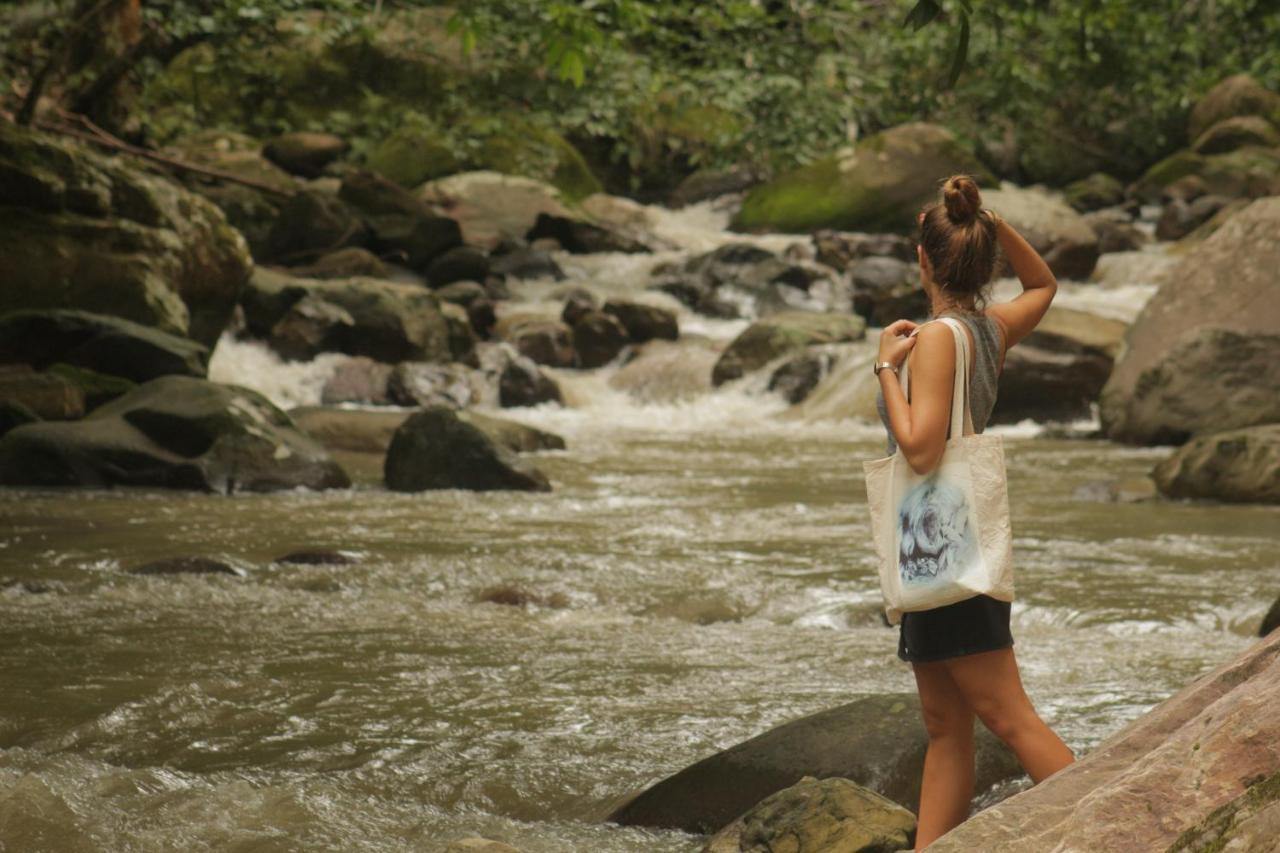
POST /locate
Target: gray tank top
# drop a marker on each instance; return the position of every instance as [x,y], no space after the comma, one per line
[983,382]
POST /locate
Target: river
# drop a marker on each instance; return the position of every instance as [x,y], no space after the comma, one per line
[701,572]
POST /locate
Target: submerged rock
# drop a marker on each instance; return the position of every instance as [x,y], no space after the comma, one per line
[771,337]
[797,378]
[878,742]
[186,566]
[1226,282]
[643,322]
[1156,780]
[1241,466]
[79,230]
[316,557]
[598,338]
[173,432]
[830,815]
[97,342]
[435,449]
[878,186]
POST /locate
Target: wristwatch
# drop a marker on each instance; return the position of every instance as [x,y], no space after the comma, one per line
[884,365]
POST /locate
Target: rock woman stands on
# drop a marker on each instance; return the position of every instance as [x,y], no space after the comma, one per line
[962,654]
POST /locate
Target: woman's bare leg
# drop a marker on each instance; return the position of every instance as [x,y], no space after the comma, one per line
[992,687]
[947,786]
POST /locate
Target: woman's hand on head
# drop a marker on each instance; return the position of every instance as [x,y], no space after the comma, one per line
[896,342]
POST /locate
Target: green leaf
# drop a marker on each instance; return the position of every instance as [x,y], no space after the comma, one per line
[921,14]
[961,54]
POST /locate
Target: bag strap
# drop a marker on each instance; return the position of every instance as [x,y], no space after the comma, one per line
[961,417]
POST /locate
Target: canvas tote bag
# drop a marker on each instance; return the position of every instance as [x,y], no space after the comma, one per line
[944,536]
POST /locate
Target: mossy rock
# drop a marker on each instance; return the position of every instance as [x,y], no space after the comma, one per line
[1238,95]
[1248,172]
[1237,132]
[522,148]
[412,154]
[1094,192]
[879,186]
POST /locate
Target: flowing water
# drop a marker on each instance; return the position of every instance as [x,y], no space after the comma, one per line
[701,572]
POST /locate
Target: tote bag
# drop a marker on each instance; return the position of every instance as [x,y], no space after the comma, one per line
[944,536]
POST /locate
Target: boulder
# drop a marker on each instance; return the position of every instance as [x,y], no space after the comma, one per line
[1207,380]
[313,222]
[305,153]
[879,185]
[887,289]
[521,383]
[358,380]
[598,338]
[797,378]
[771,337]
[79,230]
[461,263]
[878,742]
[311,326]
[668,371]
[627,219]
[1180,218]
[705,184]
[1097,191]
[577,303]
[344,263]
[400,224]
[839,249]
[1238,95]
[1056,372]
[46,396]
[413,154]
[492,208]
[1239,466]
[643,322]
[543,341]
[830,815]
[1237,132]
[250,210]
[13,414]
[389,321]
[364,431]
[435,449]
[524,262]
[1248,172]
[1157,779]
[1116,231]
[1228,281]
[1060,234]
[172,432]
[424,384]
[97,342]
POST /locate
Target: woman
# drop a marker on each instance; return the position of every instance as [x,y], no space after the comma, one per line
[962,654]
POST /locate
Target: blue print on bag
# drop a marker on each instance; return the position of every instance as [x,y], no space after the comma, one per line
[935,538]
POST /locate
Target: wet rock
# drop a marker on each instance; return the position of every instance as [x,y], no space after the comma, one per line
[1157,778]
[359,380]
[305,153]
[1271,621]
[46,396]
[1061,235]
[400,224]
[643,322]
[1239,466]
[1238,95]
[14,414]
[795,379]
[542,341]
[598,338]
[97,342]
[311,223]
[705,184]
[524,262]
[1249,172]
[839,249]
[172,432]
[17,586]
[1180,218]
[1224,281]
[79,230]
[425,384]
[312,325]
[514,595]
[435,449]
[474,299]
[316,557]
[186,566]
[1097,191]
[742,279]
[577,303]
[627,220]
[1116,231]
[97,388]
[461,263]
[879,186]
[523,384]
[358,431]
[771,337]
[389,321]
[878,742]
[344,263]
[830,815]
[1131,490]
[1209,380]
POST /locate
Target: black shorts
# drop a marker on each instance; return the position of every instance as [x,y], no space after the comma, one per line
[978,624]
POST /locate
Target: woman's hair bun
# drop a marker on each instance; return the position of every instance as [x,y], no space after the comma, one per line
[962,200]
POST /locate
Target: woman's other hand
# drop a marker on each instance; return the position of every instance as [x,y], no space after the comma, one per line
[896,341]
